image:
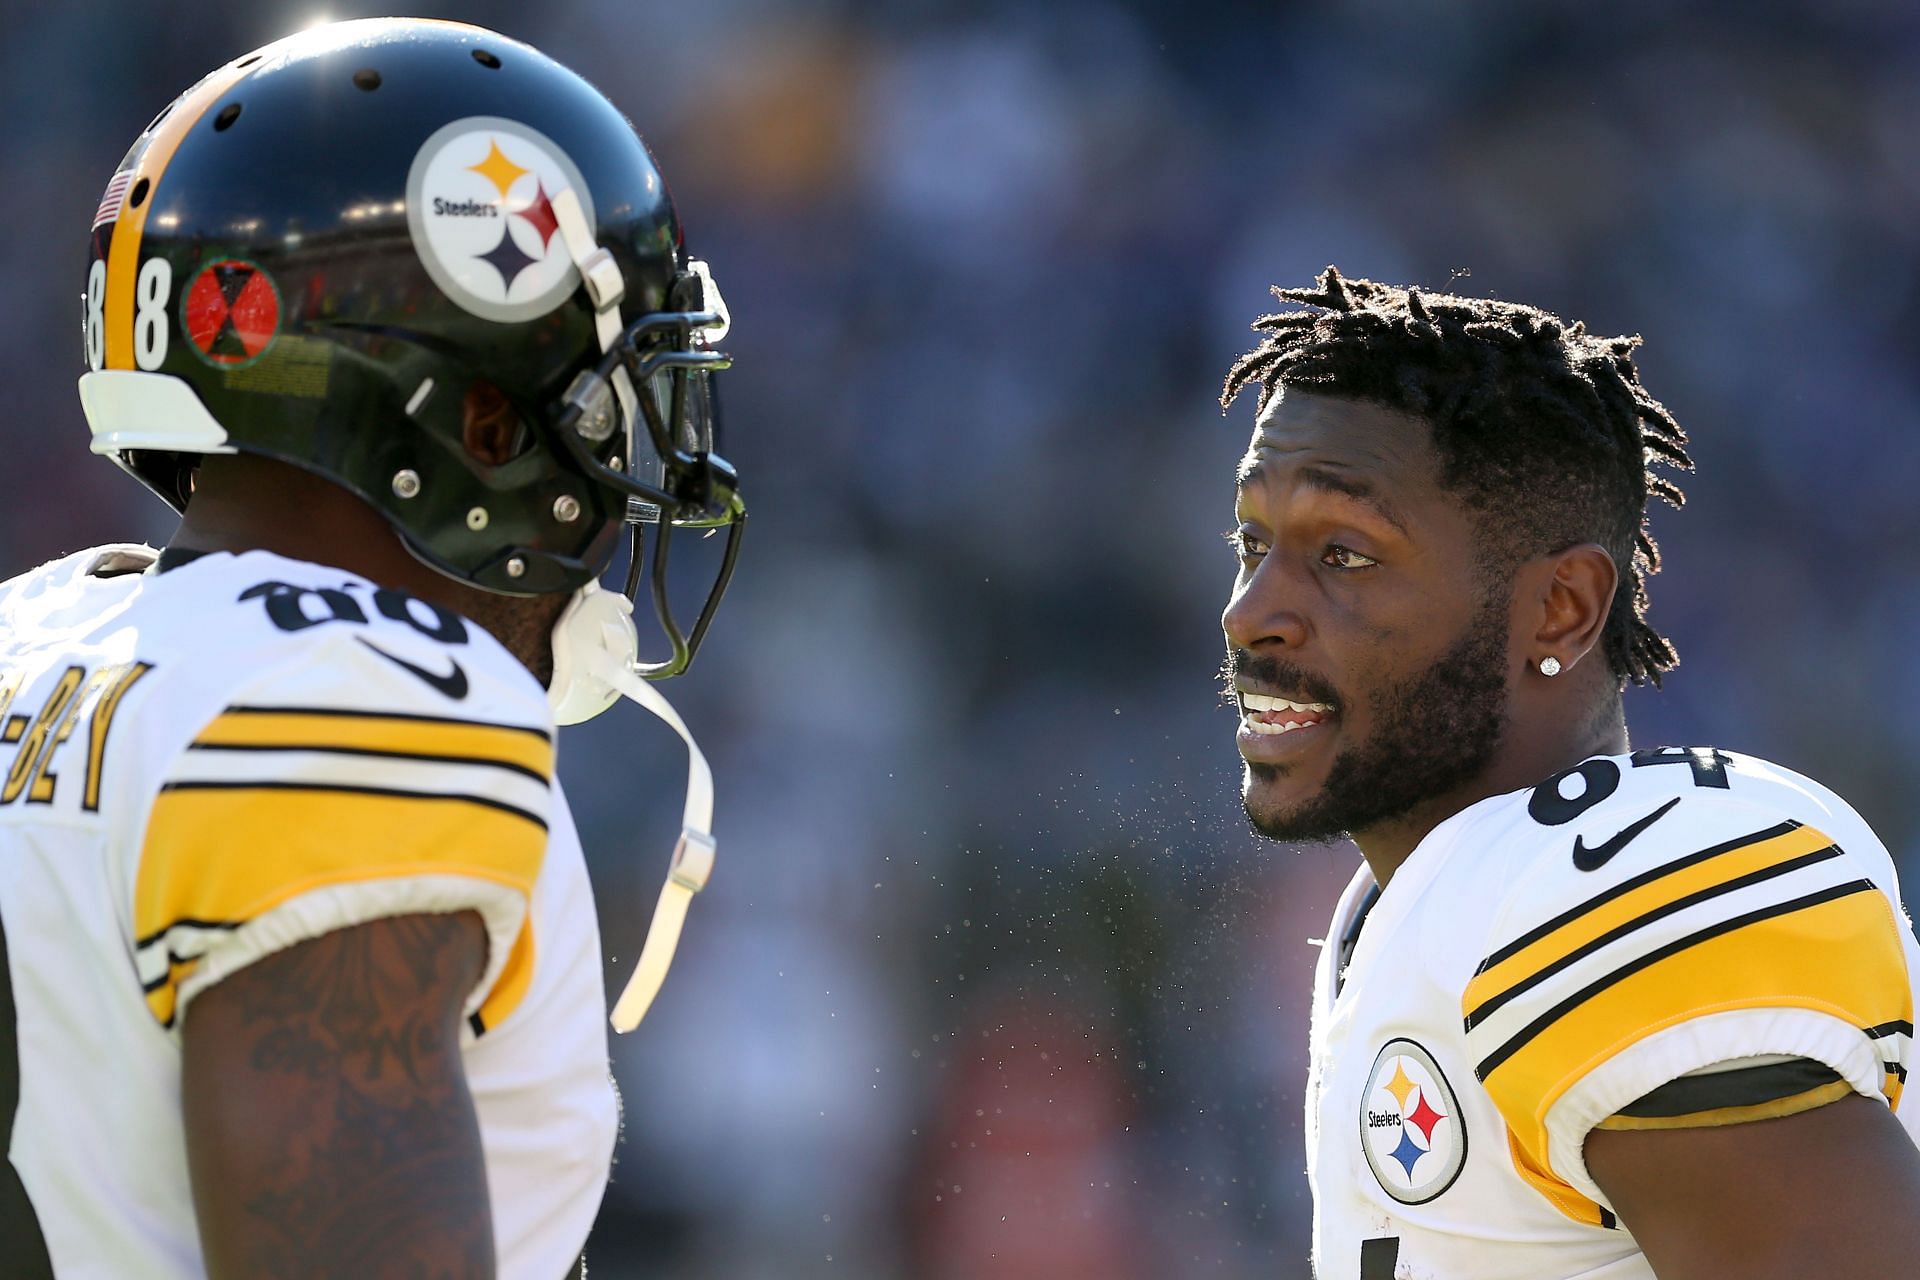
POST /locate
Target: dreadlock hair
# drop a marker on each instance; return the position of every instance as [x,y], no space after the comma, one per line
[1540,427]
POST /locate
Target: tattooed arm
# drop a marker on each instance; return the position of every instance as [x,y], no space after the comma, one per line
[329,1127]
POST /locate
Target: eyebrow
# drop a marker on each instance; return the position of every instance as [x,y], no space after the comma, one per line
[1328,480]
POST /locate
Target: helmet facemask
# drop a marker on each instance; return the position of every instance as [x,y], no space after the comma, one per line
[654,450]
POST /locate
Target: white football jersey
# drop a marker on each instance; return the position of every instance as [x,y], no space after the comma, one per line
[1663,939]
[212,763]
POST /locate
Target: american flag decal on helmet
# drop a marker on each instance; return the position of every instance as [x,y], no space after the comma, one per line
[110,202]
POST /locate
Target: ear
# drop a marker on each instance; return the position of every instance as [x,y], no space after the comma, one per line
[1574,597]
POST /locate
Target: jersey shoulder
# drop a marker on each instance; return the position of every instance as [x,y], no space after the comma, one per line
[66,596]
[311,751]
[1671,911]
[1659,825]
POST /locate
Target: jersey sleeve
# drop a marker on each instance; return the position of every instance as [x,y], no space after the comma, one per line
[1730,962]
[337,793]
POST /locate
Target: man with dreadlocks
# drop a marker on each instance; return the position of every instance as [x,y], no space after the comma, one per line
[1584,1011]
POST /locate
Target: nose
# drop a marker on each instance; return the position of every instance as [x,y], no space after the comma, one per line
[1260,614]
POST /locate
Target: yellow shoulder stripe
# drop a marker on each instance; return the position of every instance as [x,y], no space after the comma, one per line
[1836,952]
[225,855]
[523,750]
[1646,899]
[511,986]
[1553,1190]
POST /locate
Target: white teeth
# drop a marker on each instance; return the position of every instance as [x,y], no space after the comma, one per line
[1261,702]
[1261,726]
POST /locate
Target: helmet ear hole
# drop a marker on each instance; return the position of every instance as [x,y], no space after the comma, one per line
[491,429]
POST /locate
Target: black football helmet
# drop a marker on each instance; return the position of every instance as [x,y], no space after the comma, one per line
[436,267]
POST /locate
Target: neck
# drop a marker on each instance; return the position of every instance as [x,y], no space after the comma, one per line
[1527,755]
[243,503]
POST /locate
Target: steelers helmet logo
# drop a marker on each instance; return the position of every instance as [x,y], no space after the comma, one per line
[1410,1124]
[480,208]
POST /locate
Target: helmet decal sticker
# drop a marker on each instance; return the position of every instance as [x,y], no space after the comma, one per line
[127,329]
[230,313]
[479,206]
[109,209]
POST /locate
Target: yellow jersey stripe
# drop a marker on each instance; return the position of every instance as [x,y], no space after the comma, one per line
[510,987]
[1554,1191]
[1534,935]
[337,788]
[348,713]
[216,856]
[523,750]
[161,1002]
[1837,952]
[1637,903]
[161,996]
[123,253]
[1754,949]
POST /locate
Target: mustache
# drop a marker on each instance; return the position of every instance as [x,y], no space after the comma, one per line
[1275,673]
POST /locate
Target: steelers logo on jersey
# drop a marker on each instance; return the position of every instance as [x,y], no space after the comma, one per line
[480,208]
[1410,1124]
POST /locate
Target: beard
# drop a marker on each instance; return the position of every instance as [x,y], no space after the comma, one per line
[1433,732]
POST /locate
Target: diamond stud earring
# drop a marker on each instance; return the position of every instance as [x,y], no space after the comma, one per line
[1549,666]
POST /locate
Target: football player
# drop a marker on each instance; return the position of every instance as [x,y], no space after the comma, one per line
[1584,1010]
[299,972]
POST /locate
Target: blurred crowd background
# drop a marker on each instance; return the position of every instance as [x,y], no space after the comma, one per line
[991,980]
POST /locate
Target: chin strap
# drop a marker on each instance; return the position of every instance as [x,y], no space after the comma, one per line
[692,854]
[600,277]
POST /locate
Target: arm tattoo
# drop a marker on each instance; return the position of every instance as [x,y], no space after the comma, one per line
[331,1130]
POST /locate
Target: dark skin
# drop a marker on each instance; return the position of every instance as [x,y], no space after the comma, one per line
[1364,592]
[243,503]
[1359,571]
[330,1131]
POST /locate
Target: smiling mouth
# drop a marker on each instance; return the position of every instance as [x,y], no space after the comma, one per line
[1268,715]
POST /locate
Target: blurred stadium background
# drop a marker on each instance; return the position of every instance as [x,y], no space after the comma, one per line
[991,981]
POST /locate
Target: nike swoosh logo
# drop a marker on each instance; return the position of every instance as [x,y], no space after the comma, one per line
[1593,859]
[453,683]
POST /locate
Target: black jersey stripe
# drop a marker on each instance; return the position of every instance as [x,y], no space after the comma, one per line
[1740,1087]
[1492,1004]
[1625,887]
[378,752]
[347,789]
[1886,1029]
[166,979]
[1519,1041]
[349,713]
[141,944]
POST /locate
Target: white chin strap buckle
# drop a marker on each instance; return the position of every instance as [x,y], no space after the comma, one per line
[594,651]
